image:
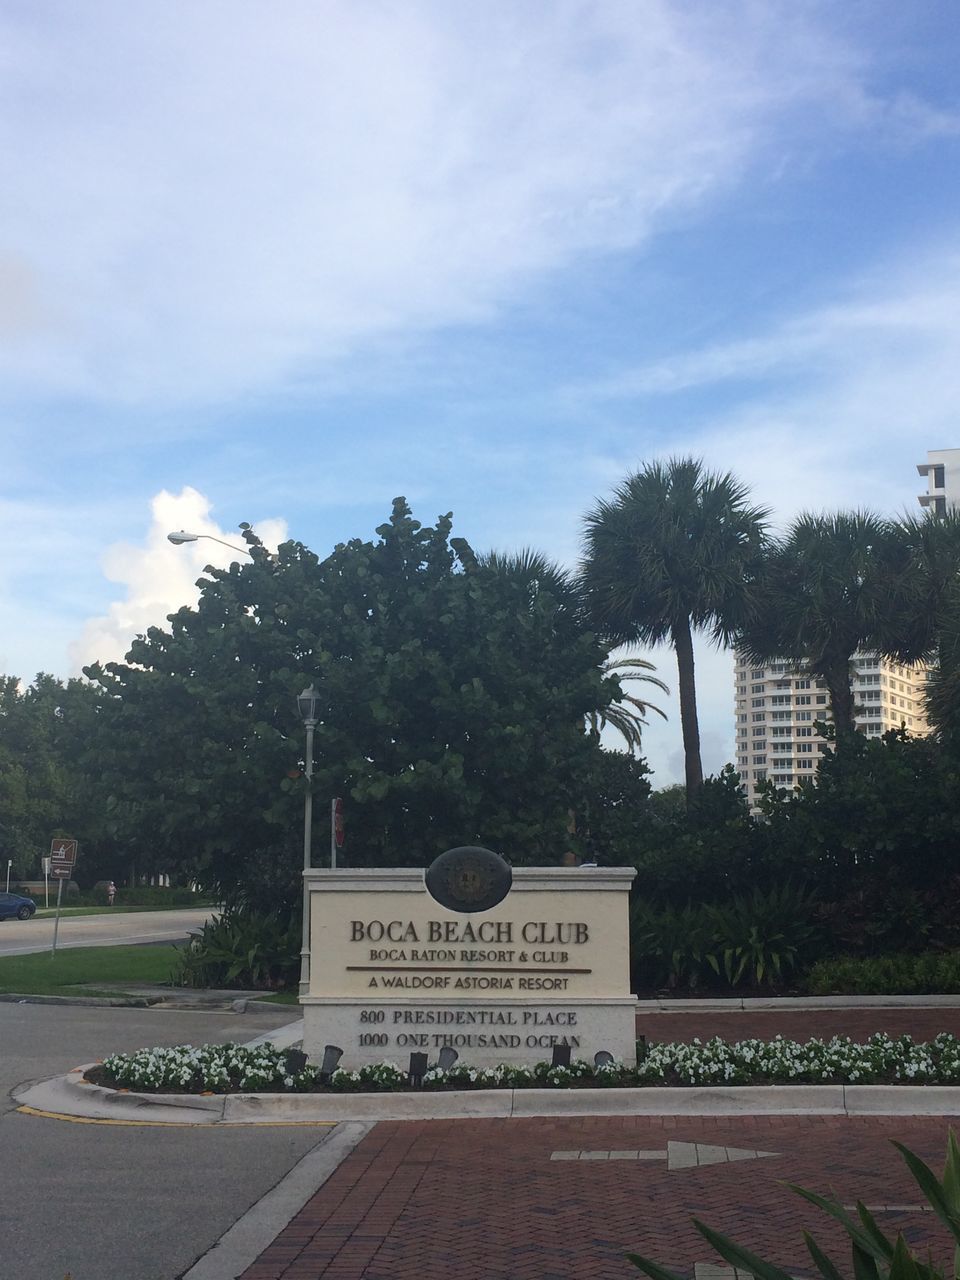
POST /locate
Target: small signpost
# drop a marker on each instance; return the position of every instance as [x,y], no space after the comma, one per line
[336,829]
[63,857]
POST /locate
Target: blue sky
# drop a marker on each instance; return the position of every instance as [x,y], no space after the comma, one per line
[281,262]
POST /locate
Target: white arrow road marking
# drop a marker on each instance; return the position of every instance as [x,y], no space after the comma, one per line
[678,1155]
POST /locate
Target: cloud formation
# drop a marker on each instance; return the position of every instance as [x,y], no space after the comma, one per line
[213,197]
[157,576]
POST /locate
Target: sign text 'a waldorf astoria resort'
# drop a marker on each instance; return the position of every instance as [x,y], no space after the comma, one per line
[391,969]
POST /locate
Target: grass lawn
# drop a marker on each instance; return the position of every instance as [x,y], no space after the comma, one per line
[47,975]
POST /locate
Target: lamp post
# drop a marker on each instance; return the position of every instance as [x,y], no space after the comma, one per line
[179,538]
[308,704]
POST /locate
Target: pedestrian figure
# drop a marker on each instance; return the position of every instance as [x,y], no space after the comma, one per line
[111,893]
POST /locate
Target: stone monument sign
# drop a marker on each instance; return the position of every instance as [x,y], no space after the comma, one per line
[392,969]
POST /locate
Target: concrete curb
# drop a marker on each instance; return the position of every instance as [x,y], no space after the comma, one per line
[243,1243]
[91,1002]
[69,1095]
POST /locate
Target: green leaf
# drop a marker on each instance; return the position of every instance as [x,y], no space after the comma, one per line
[931,1188]
[823,1263]
[864,1264]
[737,1256]
[653,1269]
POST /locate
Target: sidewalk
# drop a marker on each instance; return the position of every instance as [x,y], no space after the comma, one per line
[505,1200]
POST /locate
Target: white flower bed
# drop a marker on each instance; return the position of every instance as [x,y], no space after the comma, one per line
[881,1060]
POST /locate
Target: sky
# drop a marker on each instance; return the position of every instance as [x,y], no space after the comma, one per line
[281,262]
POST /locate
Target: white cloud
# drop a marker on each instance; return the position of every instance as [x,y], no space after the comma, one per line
[213,197]
[159,577]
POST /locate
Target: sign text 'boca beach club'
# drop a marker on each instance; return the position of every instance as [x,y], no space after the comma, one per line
[454,955]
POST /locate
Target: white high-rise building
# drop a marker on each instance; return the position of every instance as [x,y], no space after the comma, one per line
[942,470]
[778,704]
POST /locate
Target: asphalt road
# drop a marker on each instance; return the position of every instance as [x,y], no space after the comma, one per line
[114,929]
[111,1202]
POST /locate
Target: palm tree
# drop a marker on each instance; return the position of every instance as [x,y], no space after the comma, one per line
[627,714]
[930,627]
[675,550]
[835,584]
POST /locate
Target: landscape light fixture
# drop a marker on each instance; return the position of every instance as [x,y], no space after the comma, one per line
[332,1054]
[561,1055]
[603,1059]
[180,537]
[448,1057]
[417,1070]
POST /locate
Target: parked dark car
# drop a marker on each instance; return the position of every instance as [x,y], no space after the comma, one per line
[16,905]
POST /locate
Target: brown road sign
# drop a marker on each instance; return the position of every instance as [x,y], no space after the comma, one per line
[61,871]
[63,853]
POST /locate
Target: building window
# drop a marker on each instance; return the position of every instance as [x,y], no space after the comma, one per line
[801,684]
[758,702]
[781,715]
[756,675]
[804,733]
[940,506]
[756,688]
[805,746]
[804,715]
[804,764]
[821,699]
[759,759]
[803,700]
[759,731]
[938,477]
[760,775]
[759,716]
[782,699]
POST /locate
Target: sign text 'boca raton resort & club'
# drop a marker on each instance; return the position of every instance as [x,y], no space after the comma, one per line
[495,942]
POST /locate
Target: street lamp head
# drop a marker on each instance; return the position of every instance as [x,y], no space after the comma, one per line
[180,537]
[308,704]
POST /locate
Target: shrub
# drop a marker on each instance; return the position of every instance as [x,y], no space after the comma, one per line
[242,949]
[757,939]
[930,973]
[764,936]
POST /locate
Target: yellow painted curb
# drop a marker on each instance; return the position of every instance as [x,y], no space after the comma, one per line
[182,1124]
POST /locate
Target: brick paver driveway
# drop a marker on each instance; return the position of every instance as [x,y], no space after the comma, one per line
[490,1199]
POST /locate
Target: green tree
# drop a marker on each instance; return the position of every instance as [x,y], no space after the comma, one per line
[44,789]
[677,549]
[930,625]
[454,693]
[837,583]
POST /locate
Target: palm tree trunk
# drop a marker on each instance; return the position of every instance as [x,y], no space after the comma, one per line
[841,698]
[693,769]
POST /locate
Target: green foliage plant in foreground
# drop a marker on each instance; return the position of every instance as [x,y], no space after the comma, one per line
[109,968]
[874,1255]
[881,1060]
